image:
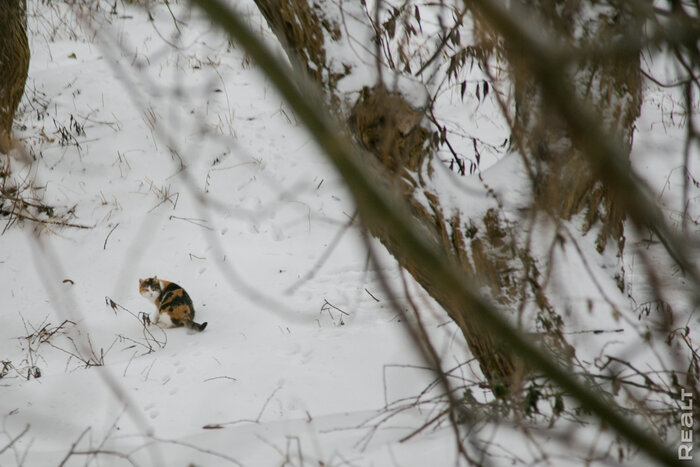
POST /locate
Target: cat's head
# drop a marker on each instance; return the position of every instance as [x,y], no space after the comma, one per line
[150,288]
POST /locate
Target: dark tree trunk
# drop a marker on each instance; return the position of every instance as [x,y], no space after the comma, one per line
[14,63]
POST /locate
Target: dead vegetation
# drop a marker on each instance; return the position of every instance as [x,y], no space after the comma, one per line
[22,201]
[38,337]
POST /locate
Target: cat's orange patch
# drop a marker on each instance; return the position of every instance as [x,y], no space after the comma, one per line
[179,312]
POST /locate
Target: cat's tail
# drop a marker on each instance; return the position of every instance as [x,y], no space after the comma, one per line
[196,326]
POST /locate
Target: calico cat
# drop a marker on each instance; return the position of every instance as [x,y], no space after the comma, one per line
[174,306]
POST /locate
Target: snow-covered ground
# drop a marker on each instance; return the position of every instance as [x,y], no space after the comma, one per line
[301,354]
[182,161]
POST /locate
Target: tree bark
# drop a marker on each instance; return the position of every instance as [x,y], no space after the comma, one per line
[14,64]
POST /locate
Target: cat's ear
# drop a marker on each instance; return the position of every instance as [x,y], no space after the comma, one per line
[140,281]
[155,277]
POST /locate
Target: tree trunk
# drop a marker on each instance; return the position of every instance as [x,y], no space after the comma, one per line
[392,129]
[14,63]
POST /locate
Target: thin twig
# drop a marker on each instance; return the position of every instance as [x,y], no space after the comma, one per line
[15,439]
[72,448]
[104,247]
[220,377]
